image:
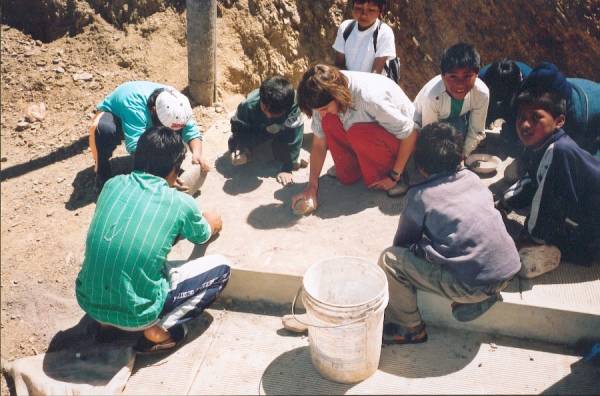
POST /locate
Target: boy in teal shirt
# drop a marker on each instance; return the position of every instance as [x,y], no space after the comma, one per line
[132,108]
[269,113]
[125,281]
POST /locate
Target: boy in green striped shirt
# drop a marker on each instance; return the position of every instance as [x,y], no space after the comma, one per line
[126,281]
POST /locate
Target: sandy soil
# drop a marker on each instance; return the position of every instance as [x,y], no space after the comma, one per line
[47,178]
[47,199]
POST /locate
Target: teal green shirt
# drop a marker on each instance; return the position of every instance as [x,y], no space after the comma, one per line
[137,218]
[455,107]
[129,102]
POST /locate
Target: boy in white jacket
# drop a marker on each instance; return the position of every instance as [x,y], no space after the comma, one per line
[457,96]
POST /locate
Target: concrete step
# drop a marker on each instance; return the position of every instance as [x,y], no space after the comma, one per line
[249,353]
[271,248]
[560,307]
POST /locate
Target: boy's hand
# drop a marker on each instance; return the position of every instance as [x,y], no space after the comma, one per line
[285,178]
[197,159]
[180,186]
[214,220]
[384,184]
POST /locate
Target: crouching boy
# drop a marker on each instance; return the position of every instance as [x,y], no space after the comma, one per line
[125,281]
[457,96]
[562,183]
[269,112]
[450,241]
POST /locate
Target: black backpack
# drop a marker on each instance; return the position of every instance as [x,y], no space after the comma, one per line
[392,67]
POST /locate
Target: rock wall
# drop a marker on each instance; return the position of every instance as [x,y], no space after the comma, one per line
[287,35]
[47,20]
[262,38]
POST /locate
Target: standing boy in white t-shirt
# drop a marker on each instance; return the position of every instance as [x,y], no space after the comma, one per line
[358,51]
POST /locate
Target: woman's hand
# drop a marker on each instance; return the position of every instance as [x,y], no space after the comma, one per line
[309,193]
[384,184]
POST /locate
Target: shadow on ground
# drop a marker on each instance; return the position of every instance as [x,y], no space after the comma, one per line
[566,273]
[86,336]
[445,353]
[246,178]
[291,373]
[58,155]
[584,377]
[84,191]
[335,200]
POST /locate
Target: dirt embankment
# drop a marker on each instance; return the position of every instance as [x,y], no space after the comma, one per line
[69,54]
[284,36]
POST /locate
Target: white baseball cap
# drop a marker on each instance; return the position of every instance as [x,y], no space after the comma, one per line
[173,109]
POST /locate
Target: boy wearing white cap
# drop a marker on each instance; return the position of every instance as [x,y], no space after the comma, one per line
[134,107]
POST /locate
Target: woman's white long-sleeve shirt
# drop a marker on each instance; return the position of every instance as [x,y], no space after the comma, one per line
[376,99]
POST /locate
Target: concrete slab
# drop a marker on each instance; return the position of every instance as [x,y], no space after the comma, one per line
[571,287]
[550,318]
[271,248]
[173,374]
[260,232]
[250,354]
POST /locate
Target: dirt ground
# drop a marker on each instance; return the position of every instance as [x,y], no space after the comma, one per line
[47,197]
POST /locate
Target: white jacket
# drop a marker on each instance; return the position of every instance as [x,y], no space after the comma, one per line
[433,104]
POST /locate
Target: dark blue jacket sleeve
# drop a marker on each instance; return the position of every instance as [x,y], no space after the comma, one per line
[557,192]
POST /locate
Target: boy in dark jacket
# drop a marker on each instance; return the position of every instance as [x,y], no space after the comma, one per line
[450,241]
[562,183]
[582,111]
[582,116]
[267,113]
[503,78]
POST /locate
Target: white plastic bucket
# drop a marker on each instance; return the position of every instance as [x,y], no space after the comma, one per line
[345,298]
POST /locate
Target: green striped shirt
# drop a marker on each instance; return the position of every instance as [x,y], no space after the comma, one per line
[137,218]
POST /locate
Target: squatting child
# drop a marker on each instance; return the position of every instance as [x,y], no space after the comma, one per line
[126,281]
[450,241]
[269,113]
[457,96]
[129,110]
[562,183]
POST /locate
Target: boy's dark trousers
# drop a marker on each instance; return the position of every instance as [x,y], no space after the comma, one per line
[108,136]
[248,138]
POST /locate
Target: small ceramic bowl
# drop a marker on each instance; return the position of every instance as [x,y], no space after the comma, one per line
[482,163]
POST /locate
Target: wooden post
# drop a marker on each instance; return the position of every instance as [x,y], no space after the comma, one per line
[202,50]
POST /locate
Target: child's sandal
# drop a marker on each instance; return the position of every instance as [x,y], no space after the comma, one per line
[146,347]
[396,334]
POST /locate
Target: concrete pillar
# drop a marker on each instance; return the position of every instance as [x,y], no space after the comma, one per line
[202,50]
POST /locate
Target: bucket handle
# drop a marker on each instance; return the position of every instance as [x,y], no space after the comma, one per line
[300,289]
